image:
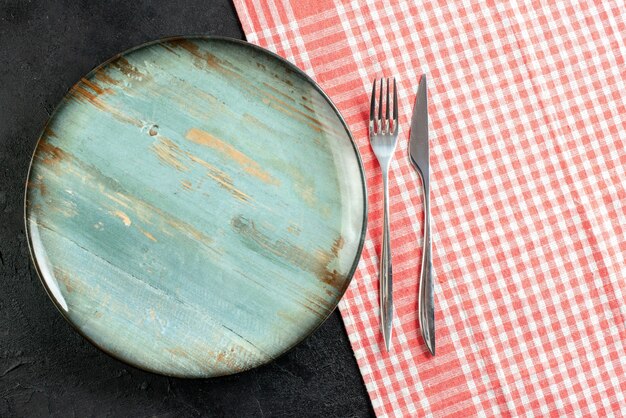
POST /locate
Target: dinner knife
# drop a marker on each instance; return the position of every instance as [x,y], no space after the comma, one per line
[419,153]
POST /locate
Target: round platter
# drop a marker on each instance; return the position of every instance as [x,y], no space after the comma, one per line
[196,206]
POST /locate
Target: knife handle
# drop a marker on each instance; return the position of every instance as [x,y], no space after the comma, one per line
[426,302]
[385,273]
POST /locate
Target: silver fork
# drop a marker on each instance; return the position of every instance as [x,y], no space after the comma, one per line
[383,139]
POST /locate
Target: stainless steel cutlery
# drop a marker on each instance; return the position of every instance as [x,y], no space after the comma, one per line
[419,153]
[383,132]
[383,139]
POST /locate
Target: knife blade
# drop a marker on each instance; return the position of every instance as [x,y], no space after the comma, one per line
[419,152]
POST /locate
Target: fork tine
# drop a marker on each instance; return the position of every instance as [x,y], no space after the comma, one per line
[395,106]
[380,108]
[373,107]
[387,120]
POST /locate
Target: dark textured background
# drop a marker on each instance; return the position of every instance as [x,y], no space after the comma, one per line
[46,369]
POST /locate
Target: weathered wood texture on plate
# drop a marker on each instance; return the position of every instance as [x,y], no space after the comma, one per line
[195,207]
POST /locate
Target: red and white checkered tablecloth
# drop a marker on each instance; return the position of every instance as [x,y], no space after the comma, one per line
[528,157]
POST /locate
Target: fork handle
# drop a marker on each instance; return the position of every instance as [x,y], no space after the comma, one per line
[385,273]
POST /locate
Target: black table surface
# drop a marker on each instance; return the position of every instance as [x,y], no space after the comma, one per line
[46,369]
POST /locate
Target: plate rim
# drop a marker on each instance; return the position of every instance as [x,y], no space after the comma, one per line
[294,68]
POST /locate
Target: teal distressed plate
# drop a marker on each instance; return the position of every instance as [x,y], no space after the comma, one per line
[196,207]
